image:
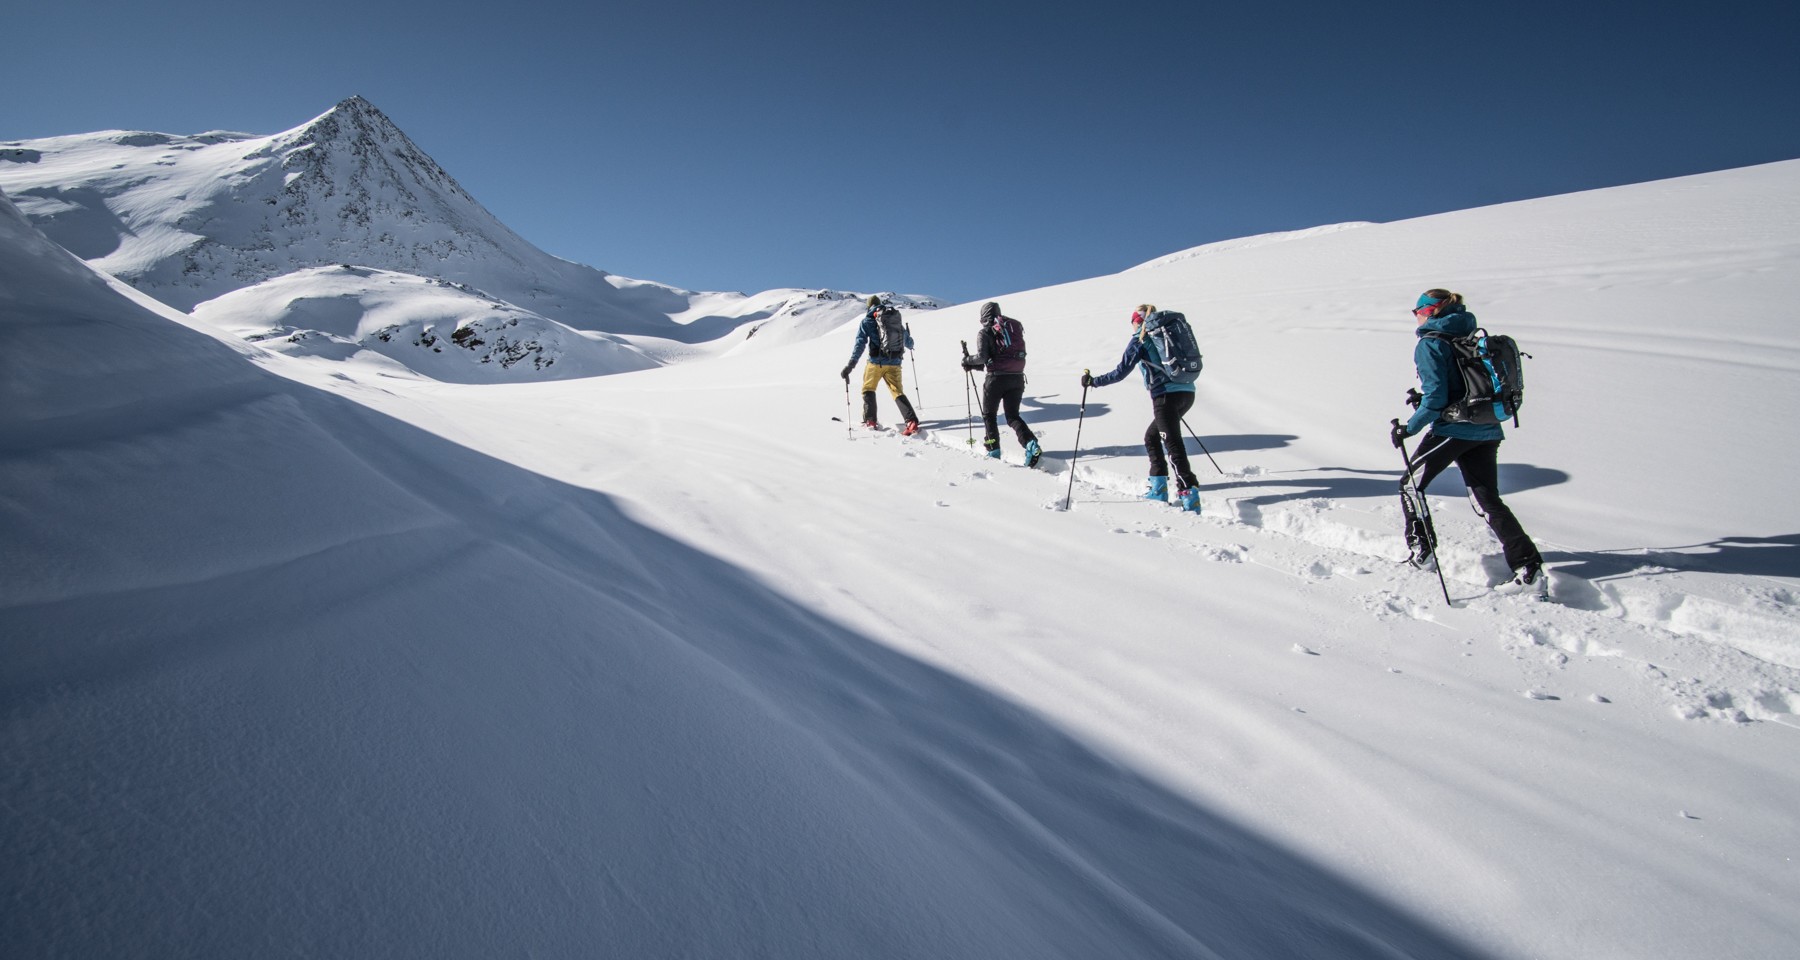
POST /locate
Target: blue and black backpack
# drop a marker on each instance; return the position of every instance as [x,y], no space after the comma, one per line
[1175,344]
[1493,377]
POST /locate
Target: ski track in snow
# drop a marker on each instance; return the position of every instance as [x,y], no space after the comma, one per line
[1630,617]
[1696,650]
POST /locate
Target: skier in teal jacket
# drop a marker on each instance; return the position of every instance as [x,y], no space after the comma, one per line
[1473,447]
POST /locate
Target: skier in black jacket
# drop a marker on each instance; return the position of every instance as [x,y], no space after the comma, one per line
[1000,349]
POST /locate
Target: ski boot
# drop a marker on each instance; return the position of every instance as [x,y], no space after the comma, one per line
[1033,453]
[907,415]
[992,447]
[1188,500]
[1529,581]
[1159,489]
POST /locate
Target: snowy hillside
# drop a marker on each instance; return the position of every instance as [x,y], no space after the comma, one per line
[674,663]
[193,219]
[443,330]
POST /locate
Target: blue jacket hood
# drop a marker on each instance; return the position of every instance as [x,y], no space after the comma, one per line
[1458,324]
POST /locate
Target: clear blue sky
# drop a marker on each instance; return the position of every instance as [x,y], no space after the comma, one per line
[956,149]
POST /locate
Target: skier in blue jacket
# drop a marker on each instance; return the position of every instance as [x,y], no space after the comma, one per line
[1473,447]
[1170,400]
[883,367]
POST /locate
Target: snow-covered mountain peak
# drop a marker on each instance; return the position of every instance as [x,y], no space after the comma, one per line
[186,219]
[192,219]
[355,142]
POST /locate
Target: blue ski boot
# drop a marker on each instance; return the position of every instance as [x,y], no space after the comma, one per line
[1159,489]
[1188,500]
[1033,453]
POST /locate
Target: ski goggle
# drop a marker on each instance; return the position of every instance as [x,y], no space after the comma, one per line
[1136,317]
[1425,312]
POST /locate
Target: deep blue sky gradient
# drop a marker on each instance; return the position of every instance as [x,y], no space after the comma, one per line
[951,149]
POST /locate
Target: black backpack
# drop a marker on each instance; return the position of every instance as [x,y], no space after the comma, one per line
[890,333]
[1009,346]
[1493,377]
[1174,339]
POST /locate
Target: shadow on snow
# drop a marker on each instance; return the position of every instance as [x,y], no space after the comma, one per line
[510,719]
[1752,556]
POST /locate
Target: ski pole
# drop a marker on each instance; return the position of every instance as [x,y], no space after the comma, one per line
[1425,511]
[1069,496]
[1203,449]
[848,434]
[918,391]
[968,385]
[976,391]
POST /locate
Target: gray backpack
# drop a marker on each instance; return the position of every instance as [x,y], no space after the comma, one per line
[890,338]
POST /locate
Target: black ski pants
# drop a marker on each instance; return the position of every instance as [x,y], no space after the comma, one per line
[1479,462]
[1007,389]
[1165,433]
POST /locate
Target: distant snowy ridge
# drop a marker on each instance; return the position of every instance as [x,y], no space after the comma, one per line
[436,328]
[1243,243]
[202,220]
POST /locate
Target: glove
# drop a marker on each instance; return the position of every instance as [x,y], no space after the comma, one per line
[846,373]
[1087,379]
[1414,398]
[1398,434]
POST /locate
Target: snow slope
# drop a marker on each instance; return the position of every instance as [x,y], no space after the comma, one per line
[1242,243]
[286,675]
[671,663]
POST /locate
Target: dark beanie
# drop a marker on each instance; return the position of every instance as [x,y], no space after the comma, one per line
[989,311]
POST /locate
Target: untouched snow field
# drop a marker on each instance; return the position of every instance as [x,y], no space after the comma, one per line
[318,656]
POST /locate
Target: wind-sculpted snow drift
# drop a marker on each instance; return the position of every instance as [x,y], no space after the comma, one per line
[286,675]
